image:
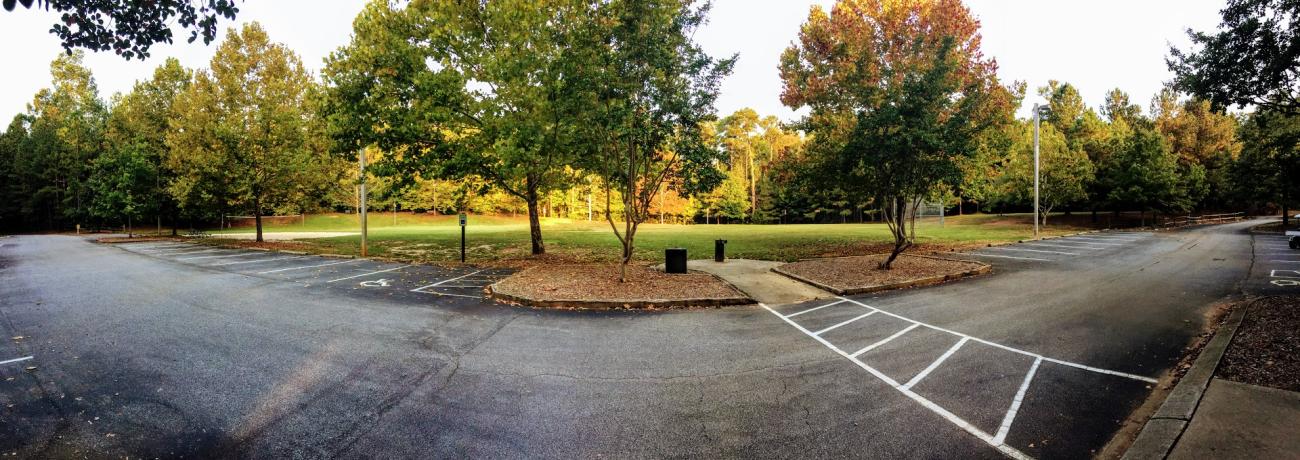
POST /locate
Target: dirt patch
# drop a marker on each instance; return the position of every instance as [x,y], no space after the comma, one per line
[1266,349]
[596,286]
[858,274]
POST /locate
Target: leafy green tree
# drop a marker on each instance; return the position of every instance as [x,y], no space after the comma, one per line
[12,142]
[1064,173]
[463,88]
[130,28]
[123,183]
[898,92]
[650,91]
[242,132]
[1143,173]
[140,120]
[1269,165]
[1250,61]
[1199,136]
[64,137]
[1118,107]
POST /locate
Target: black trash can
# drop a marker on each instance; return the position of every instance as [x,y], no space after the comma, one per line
[719,250]
[675,260]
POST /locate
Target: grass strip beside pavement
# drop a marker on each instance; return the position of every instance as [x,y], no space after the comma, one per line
[504,240]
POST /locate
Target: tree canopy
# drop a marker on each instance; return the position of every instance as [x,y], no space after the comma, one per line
[130,28]
[1252,60]
[898,92]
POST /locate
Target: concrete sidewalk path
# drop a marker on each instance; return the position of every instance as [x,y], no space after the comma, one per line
[756,278]
[1238,420]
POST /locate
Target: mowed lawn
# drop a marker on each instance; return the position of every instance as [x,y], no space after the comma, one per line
[428,238]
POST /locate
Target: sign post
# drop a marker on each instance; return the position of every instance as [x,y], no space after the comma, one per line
[462,237]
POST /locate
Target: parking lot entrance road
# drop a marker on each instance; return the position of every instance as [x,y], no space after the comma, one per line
[152,349]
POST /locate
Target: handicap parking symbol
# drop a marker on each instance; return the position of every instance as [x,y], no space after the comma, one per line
[382,282]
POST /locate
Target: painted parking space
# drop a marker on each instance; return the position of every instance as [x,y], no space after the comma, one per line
[1277,267]
[417,283]
[980,386]
[1059,249]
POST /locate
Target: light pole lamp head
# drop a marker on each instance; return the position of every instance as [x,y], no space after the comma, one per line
[1042,112]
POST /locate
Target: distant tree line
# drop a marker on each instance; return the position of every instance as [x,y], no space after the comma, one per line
[604,111]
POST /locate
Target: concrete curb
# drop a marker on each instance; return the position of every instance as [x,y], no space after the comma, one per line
[1162,431]
[629,304]
[919,282]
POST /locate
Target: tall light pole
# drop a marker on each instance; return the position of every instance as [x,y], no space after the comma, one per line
[361,158]
[1040,111]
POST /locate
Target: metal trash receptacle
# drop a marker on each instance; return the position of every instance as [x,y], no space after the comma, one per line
[675,260]
[719,250]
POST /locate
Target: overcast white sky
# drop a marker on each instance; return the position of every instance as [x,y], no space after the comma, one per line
[1096,45]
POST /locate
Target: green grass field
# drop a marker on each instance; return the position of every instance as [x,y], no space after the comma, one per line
[496,238]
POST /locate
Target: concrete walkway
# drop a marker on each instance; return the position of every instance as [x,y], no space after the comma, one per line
[1238,420]
[755,278]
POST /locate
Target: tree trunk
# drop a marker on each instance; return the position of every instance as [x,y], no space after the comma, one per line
[257,217]
[534,220]
[630,233]
[899,228]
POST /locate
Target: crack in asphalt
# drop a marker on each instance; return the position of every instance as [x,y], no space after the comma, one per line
[357,431]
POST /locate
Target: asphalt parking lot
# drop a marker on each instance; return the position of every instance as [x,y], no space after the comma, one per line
[166,350]
[369,278]
[1277,267]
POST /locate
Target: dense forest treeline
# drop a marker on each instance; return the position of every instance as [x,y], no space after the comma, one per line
[610,117]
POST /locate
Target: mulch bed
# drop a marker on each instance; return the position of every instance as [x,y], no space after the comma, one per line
[1266,349]
[596,286]
[850,275]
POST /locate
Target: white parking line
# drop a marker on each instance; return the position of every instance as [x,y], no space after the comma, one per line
[224,256]
[15,360]
[935,365]
[421,288]
[1015,350]
[1003,257]
[823,331]
[885,340]
[453,295]
[258,260]
[816,308]
[1091,240]
[1286,261]
[1015,403]
[184,252]
[366,274]
[1004,248]
[307,266]
[926,403]
[1067,245]
[1115,237]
